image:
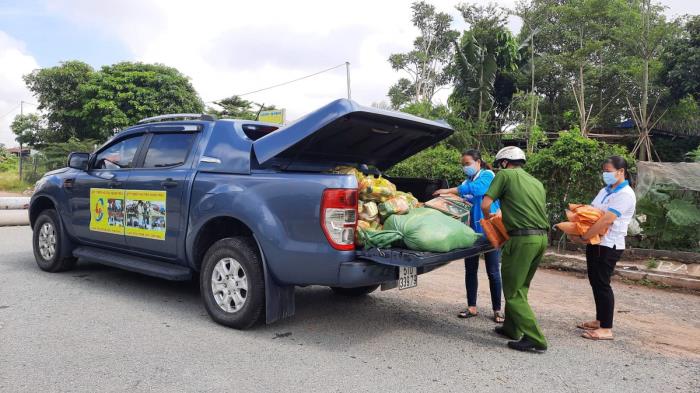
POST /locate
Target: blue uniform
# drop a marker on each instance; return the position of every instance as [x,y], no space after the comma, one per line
[473,190]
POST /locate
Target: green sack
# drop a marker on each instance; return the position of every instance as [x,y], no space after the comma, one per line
[425,229]
[379,239]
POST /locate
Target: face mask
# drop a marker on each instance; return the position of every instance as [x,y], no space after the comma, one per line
[469,170]
[609,178]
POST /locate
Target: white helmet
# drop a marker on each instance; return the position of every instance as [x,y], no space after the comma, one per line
[510,153]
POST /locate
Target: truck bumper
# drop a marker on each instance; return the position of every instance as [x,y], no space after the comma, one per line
[363,273]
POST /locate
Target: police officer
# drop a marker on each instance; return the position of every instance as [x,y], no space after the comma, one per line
[522,199]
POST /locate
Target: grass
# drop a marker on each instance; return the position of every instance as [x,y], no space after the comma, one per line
[10,182]
[652,264]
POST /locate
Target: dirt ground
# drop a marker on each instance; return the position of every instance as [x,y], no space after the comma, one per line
[661,321]
[10,194]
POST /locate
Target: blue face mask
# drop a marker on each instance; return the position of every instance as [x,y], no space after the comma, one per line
[469,170]
[609,178]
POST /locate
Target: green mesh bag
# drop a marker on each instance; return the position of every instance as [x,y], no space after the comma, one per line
[426,229]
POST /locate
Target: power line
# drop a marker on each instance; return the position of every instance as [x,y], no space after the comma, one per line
[8,113]
[292,81]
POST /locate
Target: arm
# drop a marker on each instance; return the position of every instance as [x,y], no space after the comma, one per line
[600,226]
[486,206]
[441,191]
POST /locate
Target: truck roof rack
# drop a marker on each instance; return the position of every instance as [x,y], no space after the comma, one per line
[198,116]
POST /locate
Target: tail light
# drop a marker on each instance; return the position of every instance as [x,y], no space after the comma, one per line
[339,217]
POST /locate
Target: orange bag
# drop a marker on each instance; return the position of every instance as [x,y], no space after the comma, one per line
[581,218]
[494,230]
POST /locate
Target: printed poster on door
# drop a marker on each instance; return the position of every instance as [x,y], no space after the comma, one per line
[107,210]
[145,214]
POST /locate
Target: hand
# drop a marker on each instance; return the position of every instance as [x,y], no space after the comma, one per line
[440,192]
[499,213]
[492,215]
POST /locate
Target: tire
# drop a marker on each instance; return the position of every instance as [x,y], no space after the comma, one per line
[355,292]
[47,242]
[224,297]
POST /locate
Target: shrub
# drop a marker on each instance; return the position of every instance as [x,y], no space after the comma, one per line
[570,170]
[439,162]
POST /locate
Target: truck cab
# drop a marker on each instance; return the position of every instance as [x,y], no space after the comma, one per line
[254,209]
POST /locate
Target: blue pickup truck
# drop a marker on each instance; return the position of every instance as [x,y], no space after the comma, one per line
[249,209]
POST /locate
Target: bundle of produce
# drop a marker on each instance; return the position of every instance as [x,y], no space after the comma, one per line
[429,230]
[377,238]
[581,218]
[376,189]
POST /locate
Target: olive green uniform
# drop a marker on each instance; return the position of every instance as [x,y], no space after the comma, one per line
[522,199]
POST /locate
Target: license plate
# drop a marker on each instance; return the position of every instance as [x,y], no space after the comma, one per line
[408,277]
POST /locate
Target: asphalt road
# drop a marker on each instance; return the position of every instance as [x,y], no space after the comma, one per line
[102,329]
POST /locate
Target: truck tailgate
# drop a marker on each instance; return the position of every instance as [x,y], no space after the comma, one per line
[410,258]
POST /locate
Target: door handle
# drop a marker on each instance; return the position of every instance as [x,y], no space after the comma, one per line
[115,183]
[68,183]
[168,183]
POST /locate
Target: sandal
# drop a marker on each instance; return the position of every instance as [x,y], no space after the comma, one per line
[595,336]
[593,325]
[467,314]
[498,317]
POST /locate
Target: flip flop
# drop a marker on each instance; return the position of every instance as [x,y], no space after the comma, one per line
[498,317]
[592,335]
[587,326]
[467,314]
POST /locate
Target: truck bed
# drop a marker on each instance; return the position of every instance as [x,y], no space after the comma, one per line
[411,258]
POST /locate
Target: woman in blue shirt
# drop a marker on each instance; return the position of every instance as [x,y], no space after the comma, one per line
[479,178]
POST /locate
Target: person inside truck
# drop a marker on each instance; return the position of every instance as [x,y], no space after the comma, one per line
[479,178]
[618,201]
[523,203]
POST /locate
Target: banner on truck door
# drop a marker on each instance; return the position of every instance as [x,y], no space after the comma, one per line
[138,213]
[107,210]
[145,214]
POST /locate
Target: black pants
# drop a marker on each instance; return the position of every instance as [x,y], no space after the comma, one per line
[601,263]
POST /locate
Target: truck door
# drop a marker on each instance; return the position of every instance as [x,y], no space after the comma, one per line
[96,196]
[155,210]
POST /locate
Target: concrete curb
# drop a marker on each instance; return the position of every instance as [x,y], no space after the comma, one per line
[12,203]
[575,263]
[14,217]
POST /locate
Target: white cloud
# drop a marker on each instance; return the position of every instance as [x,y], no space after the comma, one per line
[15,63]
[234,47]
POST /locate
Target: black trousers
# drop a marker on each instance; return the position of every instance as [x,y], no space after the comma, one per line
[601,263]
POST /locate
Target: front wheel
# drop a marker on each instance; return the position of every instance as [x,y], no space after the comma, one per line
[232,283]
[46,242]
[355,292]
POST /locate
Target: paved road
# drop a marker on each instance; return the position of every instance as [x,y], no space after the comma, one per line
[101,329]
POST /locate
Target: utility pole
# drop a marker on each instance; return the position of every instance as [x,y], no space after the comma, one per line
[347,71]
[21,113]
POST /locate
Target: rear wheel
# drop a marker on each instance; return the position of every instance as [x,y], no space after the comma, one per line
[355,292]
[46,242]
[232,283]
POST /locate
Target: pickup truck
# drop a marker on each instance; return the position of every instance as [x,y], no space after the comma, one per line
[249,209]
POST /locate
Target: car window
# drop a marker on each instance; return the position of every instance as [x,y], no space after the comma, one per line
[168,150]
[119,155]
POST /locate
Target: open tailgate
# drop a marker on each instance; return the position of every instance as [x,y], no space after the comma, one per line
[344,132]
[410,258]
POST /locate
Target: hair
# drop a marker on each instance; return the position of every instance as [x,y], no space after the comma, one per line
[476,155]
[618,163]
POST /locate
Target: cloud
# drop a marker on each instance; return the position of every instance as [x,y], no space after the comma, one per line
[15,63]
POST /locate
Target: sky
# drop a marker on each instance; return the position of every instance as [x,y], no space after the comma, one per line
[224,47]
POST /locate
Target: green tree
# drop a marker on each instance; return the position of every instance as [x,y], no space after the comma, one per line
[426,64]
[236,107]
[56,154]
[681,61]
[87,104]
[58,91]
[439,162]
[122,94]
[485,60]
[28,129]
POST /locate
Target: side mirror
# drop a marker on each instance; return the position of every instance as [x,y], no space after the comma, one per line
[78,160]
